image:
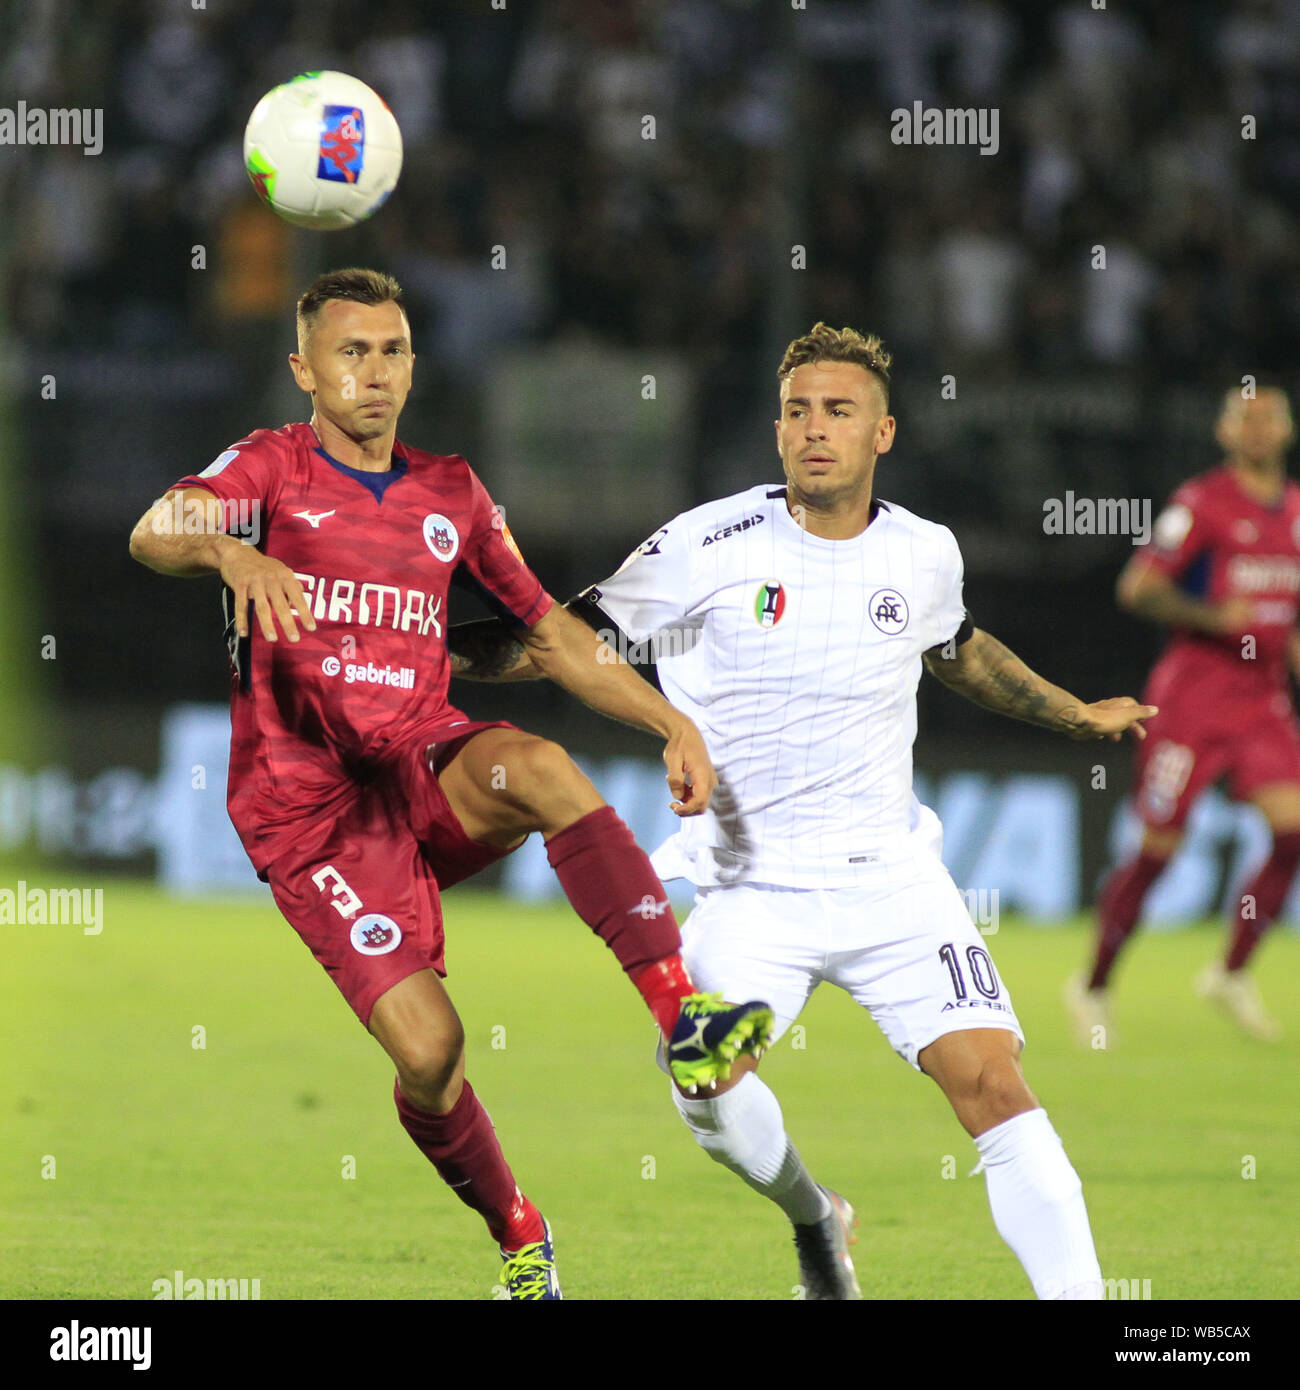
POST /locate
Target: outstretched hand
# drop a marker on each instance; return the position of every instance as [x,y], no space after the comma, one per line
[1111,719]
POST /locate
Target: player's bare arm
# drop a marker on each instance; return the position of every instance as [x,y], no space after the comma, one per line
[1146,593]
[994,677]
[488,650]
[183,535]
[564,649]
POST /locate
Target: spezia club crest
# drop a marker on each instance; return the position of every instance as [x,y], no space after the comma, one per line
[887,608]
[769,603]
[376,935]
[441,536]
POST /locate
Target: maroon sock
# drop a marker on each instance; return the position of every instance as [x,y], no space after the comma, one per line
[1263,899]
[462,1145]
[608,878]
[1118,908]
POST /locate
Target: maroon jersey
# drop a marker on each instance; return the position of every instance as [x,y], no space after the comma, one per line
[375,554]
[1218,543]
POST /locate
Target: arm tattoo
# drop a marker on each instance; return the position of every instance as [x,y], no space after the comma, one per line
[991,675]
[485,651]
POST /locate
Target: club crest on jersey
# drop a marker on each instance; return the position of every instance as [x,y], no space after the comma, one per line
[888,610]
[441,536]
[375,935]
[769,603]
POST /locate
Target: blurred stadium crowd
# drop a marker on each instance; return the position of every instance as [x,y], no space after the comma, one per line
[523,126]
[1120,128]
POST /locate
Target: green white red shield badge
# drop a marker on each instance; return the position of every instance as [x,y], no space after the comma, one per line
[769,603]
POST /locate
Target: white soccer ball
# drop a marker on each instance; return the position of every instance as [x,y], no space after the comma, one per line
[323,151]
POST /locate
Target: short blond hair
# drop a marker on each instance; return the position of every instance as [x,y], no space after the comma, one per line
[827,344]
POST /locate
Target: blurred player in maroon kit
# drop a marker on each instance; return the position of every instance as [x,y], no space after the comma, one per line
[1223,571]
[358,790]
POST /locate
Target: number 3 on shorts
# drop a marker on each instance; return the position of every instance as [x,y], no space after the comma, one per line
[344,901]
[981,971]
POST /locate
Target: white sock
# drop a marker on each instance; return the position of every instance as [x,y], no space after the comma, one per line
[1037,1203]
[743,1129]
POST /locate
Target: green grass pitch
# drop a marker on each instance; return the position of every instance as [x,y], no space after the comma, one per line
[273,1152]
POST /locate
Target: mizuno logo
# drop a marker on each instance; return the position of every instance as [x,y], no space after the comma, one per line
[648,908]
[315,518]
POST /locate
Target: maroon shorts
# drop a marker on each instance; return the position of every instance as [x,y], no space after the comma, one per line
[362,890]
[1183,754]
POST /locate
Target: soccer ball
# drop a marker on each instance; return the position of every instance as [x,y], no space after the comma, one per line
[323,150]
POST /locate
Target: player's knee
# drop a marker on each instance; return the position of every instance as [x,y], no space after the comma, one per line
[1000,1090]
[542,773]
[426,1062]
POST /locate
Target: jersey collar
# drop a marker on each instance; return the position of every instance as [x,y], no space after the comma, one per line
[779,496]
[376,483]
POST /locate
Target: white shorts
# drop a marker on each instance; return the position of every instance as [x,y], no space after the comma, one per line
[907,951]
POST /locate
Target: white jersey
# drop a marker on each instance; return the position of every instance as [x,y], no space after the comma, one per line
[798,658]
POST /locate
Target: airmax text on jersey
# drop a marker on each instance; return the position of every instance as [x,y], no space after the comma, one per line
[372,605]
[734,529]
[367,673]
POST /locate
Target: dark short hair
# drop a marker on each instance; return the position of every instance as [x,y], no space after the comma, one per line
[826,344]
[359,285]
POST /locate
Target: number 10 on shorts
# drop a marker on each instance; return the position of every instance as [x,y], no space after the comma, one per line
[979,966]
